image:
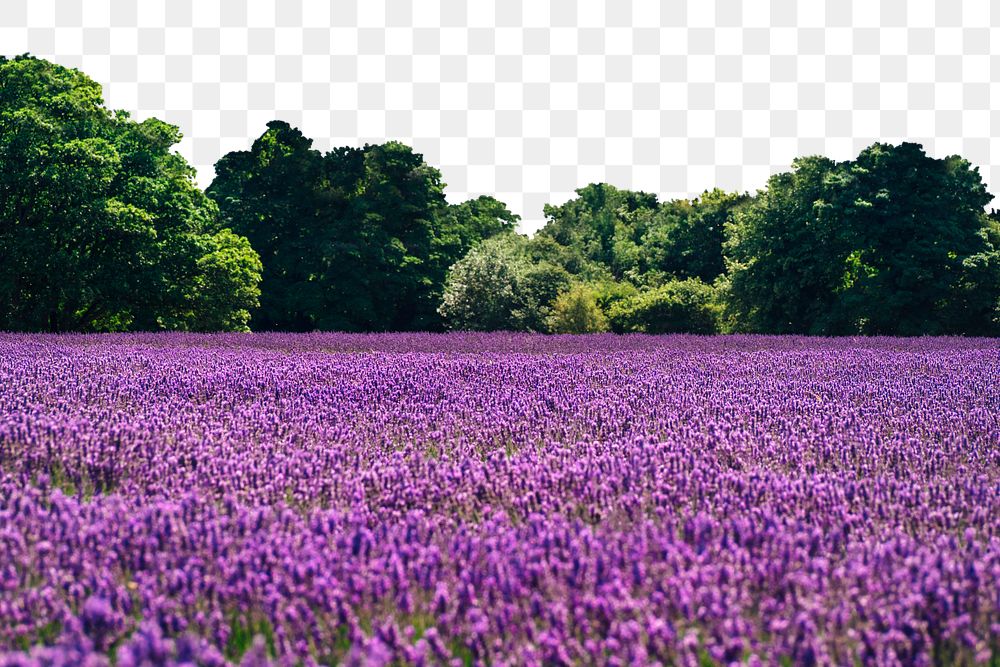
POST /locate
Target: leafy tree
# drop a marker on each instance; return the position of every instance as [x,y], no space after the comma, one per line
[543,249]
[466,224]
[631,236]
[785,257]
[597,224]
[678,306]
[392,214]
[461,227]
[540,286]
[228,272]
[101,225]
[894,242]
[919,242]
[685,238]
[609,292]
[575,311]
[357,239]
[497,287]
[272,194]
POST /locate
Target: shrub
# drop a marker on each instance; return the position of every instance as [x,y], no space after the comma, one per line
[575,311]
[678,306]
[497,287]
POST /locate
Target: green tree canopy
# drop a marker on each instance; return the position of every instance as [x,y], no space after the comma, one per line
[272,195]
[606,232]
[684,238]
[894,242]
[101,226]
[596,222]
[356,239]
[497,287]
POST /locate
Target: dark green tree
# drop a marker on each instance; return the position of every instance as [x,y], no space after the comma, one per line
[685,238]
[920,244]
[357,239]
[462,226]
[633,237]
[894,242]
[101,225]
[786,252]
[393,213]
[272,194]
[598,224]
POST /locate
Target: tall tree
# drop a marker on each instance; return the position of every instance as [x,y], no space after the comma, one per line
[918,233]
[272,195]
[394,209]
[597,221]
[356,239]
[497,286]
[894,242]
[685,238]
[462,226]
[785,254]
[101,225]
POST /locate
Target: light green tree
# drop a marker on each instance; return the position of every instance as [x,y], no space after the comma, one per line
[575,311]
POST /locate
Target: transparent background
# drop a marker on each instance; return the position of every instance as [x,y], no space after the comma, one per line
[530,99]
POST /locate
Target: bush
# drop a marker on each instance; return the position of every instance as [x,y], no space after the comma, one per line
[575,311]
[679,306]
[497,287]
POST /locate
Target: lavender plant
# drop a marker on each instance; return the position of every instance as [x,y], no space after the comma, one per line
[498,499]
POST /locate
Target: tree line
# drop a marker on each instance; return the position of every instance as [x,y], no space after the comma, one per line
[102,228]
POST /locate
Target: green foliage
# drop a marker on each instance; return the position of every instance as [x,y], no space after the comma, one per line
[101,226]
[272,195]
[244,631]
[596,224]
[685,238]
[631,236]
[544,249]
[608,292]
[894,242]
[229,272]
[575,311]
[497,287]
[356,239]
[781,251]
[678,306]
[462,226]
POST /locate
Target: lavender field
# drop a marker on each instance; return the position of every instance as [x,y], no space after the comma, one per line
[498,499]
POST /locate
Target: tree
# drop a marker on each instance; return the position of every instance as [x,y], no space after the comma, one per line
[228,272]
[784,252]
[894,242]
[679,306]
[101,225]
[272,194]
[358,239]
[497,287]
[462,226]
[631,236]
[685,238]
[597,223]
[575,311]
[920,244]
